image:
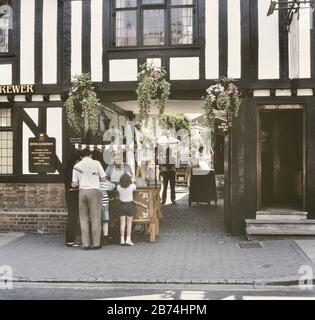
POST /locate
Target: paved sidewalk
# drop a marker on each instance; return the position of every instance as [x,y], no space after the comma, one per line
[192,247]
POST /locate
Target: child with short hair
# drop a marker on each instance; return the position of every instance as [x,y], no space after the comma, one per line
[104,187]
[125,190]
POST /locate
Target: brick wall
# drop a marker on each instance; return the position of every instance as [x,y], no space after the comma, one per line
[32,207]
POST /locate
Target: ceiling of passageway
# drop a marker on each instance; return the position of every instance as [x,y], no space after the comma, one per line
[174,106]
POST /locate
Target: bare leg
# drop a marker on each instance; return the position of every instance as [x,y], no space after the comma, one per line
[105,229]
[129,226]
[122,226]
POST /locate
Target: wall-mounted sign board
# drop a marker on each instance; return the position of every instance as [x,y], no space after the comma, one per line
[42,154]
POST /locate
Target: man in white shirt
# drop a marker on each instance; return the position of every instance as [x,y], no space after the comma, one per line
[87,175]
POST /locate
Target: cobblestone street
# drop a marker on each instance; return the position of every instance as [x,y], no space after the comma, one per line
[192,247]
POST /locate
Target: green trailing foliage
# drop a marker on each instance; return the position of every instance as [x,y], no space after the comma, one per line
[82,105]
[153,88]
[224,96]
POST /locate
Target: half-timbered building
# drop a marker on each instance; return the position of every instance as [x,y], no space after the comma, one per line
[270,170]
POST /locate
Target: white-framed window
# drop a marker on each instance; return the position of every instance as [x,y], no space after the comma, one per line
[141,23]
[6,141]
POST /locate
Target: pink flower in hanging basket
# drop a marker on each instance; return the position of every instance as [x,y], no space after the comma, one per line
[156,73]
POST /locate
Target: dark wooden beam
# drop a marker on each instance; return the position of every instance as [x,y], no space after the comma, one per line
[223,37]
[86,36]
[38,41]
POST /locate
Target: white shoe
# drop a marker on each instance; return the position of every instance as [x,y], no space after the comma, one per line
[129,243]
[122,242]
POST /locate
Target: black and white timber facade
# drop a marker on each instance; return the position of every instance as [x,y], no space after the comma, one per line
[197,42]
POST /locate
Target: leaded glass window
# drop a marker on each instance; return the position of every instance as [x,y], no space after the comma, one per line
[6,141]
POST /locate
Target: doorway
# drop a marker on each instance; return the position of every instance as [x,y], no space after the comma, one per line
[281,159]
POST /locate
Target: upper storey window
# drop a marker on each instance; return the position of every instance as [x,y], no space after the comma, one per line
[5,26]
[138,23]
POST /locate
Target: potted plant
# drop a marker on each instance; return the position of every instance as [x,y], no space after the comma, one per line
[153,88]
[224,96]
[82,105]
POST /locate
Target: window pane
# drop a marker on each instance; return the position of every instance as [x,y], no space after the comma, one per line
[126,28]
[182,2]
[182,26]
[126,3]
[6,152]
[153,27]
[5,117]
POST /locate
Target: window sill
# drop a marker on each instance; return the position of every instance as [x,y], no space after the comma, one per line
[122,49]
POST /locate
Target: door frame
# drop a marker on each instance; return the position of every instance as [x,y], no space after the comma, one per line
[279,107]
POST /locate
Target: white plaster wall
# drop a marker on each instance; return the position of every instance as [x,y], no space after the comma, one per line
[96,40]
[234,39]
[76,38]
[123,70]
[212,39]
[184,68]
[27,41]
[268,42]
[5,74]
[305,43]
[156,62]
[294,50]
[27,133]
[54,128]
[50,13]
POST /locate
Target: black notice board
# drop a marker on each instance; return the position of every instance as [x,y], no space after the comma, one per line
[42,154]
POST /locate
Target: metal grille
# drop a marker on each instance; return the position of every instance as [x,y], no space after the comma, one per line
[250,245]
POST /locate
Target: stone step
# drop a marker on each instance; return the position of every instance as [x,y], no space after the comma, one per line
[281,215]
[280,229]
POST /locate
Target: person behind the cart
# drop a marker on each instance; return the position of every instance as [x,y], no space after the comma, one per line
[168,172]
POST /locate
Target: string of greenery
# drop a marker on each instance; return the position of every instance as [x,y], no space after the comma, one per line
[82,105]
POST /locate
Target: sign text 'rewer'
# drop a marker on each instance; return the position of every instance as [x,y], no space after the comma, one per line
[19,88]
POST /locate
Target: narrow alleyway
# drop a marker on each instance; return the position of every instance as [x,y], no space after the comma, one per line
[192,248]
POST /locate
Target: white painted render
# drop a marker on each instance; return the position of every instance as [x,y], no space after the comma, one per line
[283,93]
[234,39]
[96,40]
[5,73]
[27,40]
[184,68]
[76,38]
[123,70]
[305,43]
[50,14]
[156,62]
[54,128]
[212,39]
[261,93]
[27,133]
[268,65]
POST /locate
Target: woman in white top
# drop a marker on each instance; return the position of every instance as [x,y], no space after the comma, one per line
[115,170]
[125,190]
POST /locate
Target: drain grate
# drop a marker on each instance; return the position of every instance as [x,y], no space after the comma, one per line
[250,245]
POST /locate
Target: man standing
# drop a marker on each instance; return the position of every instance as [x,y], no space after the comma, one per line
[87,175]
[168,172]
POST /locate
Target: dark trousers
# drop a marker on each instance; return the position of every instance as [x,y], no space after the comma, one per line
[168,176]
[72,199]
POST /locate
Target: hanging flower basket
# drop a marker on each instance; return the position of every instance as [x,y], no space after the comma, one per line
[224,96]
[153,89]
[82,106]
